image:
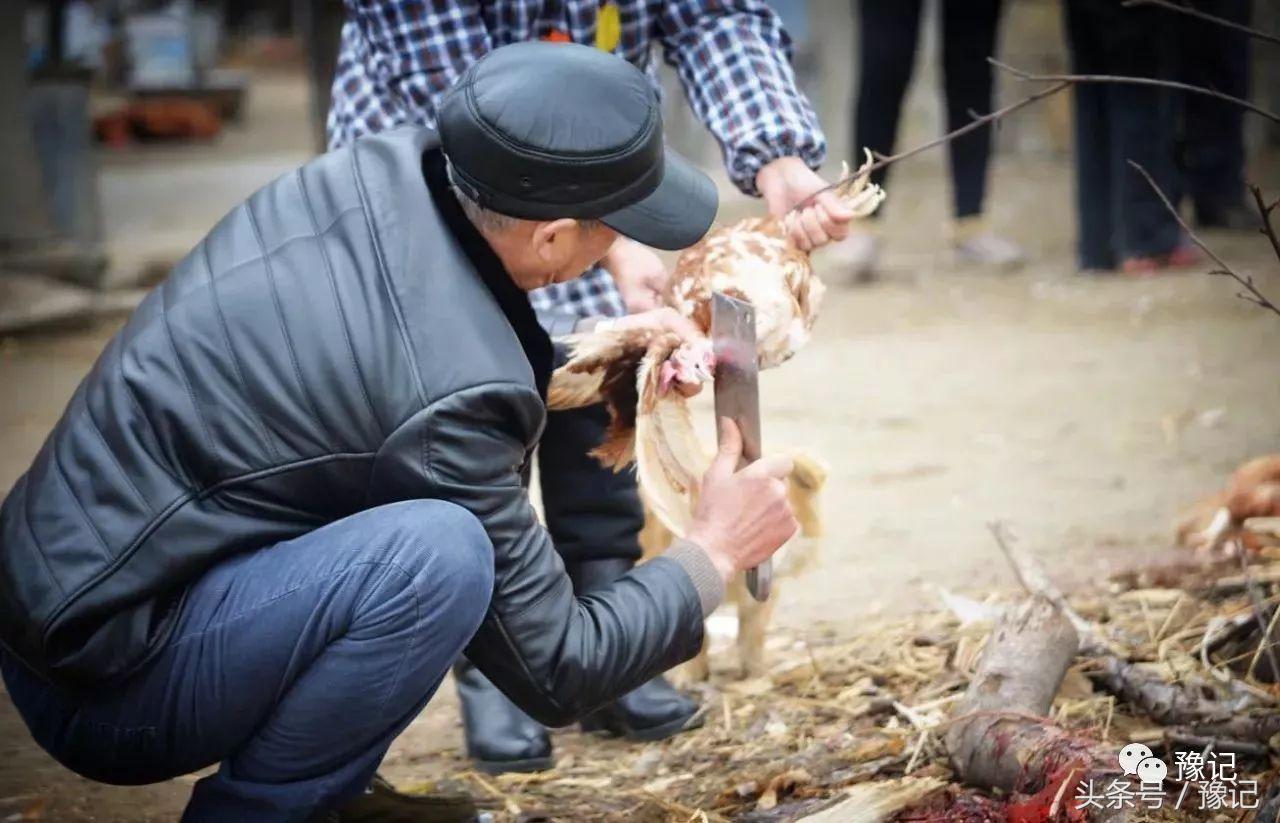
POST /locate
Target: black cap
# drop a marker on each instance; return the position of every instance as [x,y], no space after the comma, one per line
[549,130]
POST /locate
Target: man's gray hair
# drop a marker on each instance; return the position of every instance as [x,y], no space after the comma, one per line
[484,219]
[487,219]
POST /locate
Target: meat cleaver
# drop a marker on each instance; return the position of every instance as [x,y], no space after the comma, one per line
[737,391]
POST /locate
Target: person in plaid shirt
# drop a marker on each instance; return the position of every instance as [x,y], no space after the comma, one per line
[398,57]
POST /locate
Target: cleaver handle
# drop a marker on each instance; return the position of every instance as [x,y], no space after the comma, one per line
[759,579]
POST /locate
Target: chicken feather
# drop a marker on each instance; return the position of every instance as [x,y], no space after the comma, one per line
[754,260]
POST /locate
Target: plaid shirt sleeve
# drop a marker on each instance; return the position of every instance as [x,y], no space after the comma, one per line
[398,58]
[733,58]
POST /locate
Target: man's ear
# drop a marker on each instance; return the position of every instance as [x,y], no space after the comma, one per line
[551,239]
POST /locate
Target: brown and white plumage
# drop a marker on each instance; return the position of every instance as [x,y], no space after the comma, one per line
[1224,518]
[754,260]
[804,491]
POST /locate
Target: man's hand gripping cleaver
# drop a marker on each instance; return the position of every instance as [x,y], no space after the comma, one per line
[737,392]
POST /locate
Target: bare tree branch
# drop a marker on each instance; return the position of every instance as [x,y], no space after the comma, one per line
[1264,212]
[1193,12]
[882,160]
[1250,293]
[1133,81]
[1255,599]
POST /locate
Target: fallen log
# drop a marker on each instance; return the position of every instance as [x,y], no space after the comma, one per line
[1269,809]
[999,737]
[1179,739]
[1169,704]
[1258,727]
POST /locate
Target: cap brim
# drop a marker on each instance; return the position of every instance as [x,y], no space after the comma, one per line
[677,214]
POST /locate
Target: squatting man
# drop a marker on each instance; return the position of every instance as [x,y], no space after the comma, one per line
[289,493]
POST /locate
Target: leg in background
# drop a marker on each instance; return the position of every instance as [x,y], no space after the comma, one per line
[888,33]
[968,38]
[887,38]
[595,517]
[295,665]
[1212,150]
[593,513]
[1142,128]
[1093,145]
[1143,124]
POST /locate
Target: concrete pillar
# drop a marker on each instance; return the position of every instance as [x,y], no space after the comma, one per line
[24,215]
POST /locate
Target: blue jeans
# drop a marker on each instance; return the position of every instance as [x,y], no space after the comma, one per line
[294,666]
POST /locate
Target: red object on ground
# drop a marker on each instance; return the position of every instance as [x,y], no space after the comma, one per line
[1183,256]
[1056,801]
[162,118]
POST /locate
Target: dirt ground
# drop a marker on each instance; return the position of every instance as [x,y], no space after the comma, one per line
[1083,411]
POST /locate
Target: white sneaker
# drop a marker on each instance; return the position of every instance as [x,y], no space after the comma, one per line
[991,250]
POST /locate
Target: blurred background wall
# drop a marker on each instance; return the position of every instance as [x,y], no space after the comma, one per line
[128,126]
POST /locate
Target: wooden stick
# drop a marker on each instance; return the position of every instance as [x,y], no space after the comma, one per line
[1132,81]
[1061,82]
[1258,727]
[1251,293]
[1266,641]
[1247,748]
[1032,576]
[1166,703]
[1264,212]
[1255,598]
[508,803]
[1168,618]
[916,751]
[979,122]
[1193,12]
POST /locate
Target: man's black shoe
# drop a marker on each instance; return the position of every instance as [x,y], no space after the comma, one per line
[1233,217]
[381,803]
[500,737]
[653,711]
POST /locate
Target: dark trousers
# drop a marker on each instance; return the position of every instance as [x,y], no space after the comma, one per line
[1119,216]
[592,512]
[294,666]
[889,32]
[1211,150]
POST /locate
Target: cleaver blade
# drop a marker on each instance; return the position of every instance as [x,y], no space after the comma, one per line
[737,394]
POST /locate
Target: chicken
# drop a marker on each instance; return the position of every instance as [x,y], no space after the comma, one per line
[633,371]
[1241,513]
[756,260]
[804,491]
[670,459]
